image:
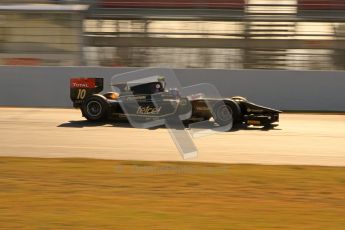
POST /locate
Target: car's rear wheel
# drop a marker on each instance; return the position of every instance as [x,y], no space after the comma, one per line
[95,108]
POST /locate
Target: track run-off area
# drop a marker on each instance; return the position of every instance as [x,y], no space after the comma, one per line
[300,139]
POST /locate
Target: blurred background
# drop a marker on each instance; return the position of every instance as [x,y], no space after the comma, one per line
[227,34]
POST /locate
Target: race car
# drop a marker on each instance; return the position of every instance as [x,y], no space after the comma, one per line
[150,101]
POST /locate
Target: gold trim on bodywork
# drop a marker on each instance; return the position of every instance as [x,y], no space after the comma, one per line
[253,122]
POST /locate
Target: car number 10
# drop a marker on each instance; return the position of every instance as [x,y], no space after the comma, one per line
[81,94]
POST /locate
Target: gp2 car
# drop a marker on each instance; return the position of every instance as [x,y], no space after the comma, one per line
[151,101]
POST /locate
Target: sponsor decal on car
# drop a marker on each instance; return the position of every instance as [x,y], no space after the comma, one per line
[148,110]
[135,98]
[254,110]
[202,108]
[83,83]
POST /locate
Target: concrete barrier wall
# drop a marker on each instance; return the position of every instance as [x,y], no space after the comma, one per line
[285,90]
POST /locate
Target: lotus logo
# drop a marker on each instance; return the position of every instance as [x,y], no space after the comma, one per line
[148,110]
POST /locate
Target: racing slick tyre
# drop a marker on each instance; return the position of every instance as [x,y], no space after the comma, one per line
[95,108]
[226,113]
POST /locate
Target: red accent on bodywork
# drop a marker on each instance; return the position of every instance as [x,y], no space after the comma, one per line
[83,83]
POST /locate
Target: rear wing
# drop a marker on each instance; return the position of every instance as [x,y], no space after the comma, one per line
[81,88]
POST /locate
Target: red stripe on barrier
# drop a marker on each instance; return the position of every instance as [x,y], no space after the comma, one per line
[321,4]
[230,4]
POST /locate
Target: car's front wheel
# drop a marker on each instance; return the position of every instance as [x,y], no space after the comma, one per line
[95,108]
[223,114]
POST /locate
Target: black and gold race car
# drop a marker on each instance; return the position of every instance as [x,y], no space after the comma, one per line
[150,101]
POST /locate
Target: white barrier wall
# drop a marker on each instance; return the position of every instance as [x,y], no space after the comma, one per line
[285,90]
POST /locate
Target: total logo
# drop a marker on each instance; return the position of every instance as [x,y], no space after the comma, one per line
[83,83]
[148,110]
[80,85]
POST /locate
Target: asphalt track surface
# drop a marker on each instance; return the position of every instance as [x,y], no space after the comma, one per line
[300,139]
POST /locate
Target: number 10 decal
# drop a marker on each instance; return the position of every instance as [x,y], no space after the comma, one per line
[81,94]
